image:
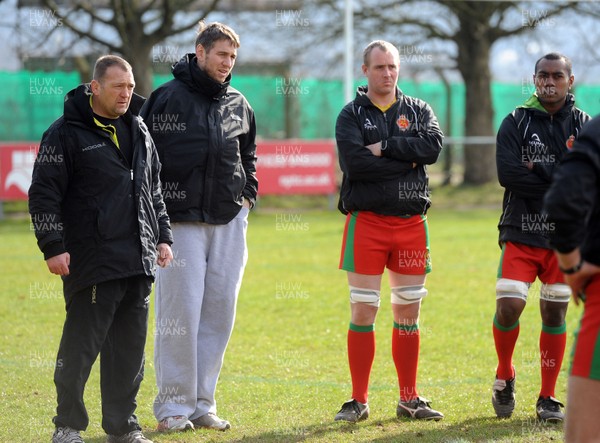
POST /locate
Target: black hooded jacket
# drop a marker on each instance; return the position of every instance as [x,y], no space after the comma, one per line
[572,203]
[395,183]
[205,136]
[531,136]
[87,200]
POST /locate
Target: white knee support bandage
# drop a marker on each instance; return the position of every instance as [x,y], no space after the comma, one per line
[558,292]
[507,288]
[366,296]
[405,295]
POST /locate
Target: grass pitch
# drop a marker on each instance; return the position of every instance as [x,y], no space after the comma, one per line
[285,373]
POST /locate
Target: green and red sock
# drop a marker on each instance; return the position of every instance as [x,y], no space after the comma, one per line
[406,340]
[553,341]
[361,352]
[505,339]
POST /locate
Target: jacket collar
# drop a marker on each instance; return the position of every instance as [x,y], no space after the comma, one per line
[533,102]
[362,99]
[188,71]
[78,107]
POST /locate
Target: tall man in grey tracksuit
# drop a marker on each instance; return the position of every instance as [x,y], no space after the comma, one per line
[205,135]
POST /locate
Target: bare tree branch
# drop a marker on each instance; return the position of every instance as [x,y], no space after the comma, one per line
[381,13]
[50,4]
[129,27]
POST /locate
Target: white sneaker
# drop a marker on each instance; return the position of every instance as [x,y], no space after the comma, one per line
[211,421]
[175,423]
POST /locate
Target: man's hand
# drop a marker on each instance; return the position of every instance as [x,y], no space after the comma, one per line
[375,148]
[578,281]
[59,264]
[165,255]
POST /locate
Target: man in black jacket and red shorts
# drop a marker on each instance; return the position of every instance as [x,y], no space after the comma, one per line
[385,139]
[100,220]
[572,204]
[531,141]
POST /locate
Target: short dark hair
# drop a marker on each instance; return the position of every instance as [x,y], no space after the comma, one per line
[556,56]
[106,61]
[208,35]
[381,44]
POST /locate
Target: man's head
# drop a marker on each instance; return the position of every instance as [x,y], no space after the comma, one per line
[216,50]
[381,63]
[112,86]
[553,78]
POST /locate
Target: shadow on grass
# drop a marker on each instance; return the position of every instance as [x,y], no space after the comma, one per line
[401,431]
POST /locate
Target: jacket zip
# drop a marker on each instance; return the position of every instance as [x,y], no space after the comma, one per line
[385,125]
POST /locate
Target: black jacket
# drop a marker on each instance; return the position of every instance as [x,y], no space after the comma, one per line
[573,201]
[387,185]
[87,200]
[530,135]
[205,136]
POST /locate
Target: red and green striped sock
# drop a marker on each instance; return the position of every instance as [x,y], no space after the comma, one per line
[361,352]
[406,341]
[505,339]
[553,341]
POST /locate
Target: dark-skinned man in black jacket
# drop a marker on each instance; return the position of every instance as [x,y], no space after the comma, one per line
[530,143]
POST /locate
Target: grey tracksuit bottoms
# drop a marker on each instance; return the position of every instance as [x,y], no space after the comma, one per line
[196,298]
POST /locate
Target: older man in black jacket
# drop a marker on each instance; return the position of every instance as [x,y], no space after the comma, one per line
[100,220]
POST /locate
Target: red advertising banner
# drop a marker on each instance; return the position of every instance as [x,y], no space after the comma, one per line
[284,167]
[16,166]
[287,167]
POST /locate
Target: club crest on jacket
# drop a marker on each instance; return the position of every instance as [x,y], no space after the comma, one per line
[403,122]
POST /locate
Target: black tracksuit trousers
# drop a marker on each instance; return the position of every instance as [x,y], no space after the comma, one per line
[110,319]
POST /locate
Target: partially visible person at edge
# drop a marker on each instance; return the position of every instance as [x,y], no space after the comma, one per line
[573,207]
[385,140]
[209,175]
[100,220]
[531,141]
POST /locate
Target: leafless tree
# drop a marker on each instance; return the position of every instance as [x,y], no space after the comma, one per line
[130,28]
[465,31]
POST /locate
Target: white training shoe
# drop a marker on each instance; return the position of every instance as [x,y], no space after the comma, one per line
[211,421]
[175,423]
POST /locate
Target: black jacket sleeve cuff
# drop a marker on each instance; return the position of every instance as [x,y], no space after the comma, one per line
[53,249]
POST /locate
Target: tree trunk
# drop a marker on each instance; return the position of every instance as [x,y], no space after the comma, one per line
[480,159]
[139,58]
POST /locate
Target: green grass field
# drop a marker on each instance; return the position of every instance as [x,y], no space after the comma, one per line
[285,373]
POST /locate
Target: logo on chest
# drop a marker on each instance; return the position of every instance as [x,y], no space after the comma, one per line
[403,122]
[92,147]
[536,146]
[569,142]
[369,126]
[537,151]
